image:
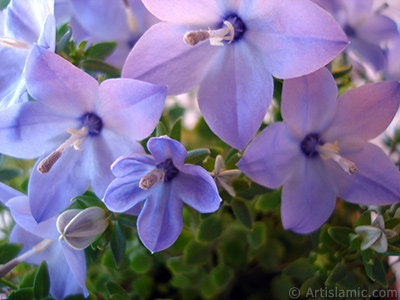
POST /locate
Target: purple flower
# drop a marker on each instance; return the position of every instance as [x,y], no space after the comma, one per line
[25,23]
[163,182]
[233,62]
[322,149]
[366,29]
[73,111]
[67,266]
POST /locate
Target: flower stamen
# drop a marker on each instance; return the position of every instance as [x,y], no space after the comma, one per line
[331,151]
[13,43]
[76,138]
[215,37]
[152,178]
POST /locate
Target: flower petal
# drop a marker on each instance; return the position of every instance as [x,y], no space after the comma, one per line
[195,186]
[163,148]
[7,193]
[308,199]
[130,107]
[269,158]
[133,164]
[28,130]
[160,51]
[364,112]
[186,12]
[376,182]
[309,102]
[366,53]
[124,193]
[58,84]
[369,235]
[377,29]
[234,105]
[51,193]
[160,222]
[291,46]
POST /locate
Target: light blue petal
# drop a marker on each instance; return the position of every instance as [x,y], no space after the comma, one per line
[7,193]
[160,222]
[164,148]
[133,164]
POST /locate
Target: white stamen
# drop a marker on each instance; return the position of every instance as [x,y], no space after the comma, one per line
[151,179]
[331,151]
[13,43]
[76,138]
[131,19]
[215,37]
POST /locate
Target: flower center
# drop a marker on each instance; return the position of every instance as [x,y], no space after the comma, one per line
[164,172]
[13,43]
[350,32]
[92,125]
[238,26]
[309,145]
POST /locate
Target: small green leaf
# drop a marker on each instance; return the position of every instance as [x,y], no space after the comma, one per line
[301,268]
[340,234]
[195,253]
[142,262]
[4,4]
[257,236]
[197,155]
[28,280]
[208,287]
[119,297]
[231,162]
[161,129]
[222,275]
[104,238]
[143,286]
[22,294]
[118,245]
[176,130]
[7,174]
[374,267]
[8,252]
[392,250]
[364,219]
[64,39]
[209,229]
[176,265]
[41,284]
[337,274]
[89,201]
[342,71]
[392,223]
[99,66]
[355,241]
[102,50]
[127,220]
[269,202]
[114,288]
[241,212]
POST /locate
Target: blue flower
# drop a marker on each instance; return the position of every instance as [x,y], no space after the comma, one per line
[163,182]
[73,112]
[322,149]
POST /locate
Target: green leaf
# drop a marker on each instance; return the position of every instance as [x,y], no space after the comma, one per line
[241,212]
[269,202]
[22,294]
[364,219]
[7,174]
[102,50]
[222,275]
[340,234]
[208,288]
[127,220]
[161,129]
[64,39]
[119,297]
[197,156]
[374,267]
[176,265]
[342,71]
[195,253]
[231,162]
[392,250]
[118,245]
[143,286]
[99,66]
[209,229]
[28,280]
[301,268]
[114,288]
[141,262]
[392,223]
[337,274]
[4,4]
[41,284]
[8,252]
[104,238]
[257,236]
[176,130]
[89,201]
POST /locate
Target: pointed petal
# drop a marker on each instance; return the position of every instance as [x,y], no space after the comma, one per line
[376,182]
[309,102]
[369,235]
[77,264]
[291,46]
[90,221]
[160,222]
[196,187]
[164,148]
[234,105]
[25,19]
[28,130]
[393,60]
[269,158]
[21,213]
[307,198]
[377,29]
[366,53]
[133,164]
[381,245]
[124,193]
[7,193]
[162,50]
[101,151]
[65,218]
[47,38]
[130,107]
[51,193]
[185,12]
[58,84]
[364,112]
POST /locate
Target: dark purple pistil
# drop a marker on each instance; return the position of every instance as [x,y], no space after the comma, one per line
[350,32]
[309,145]
[238,25]
[93,122]
[170,170]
